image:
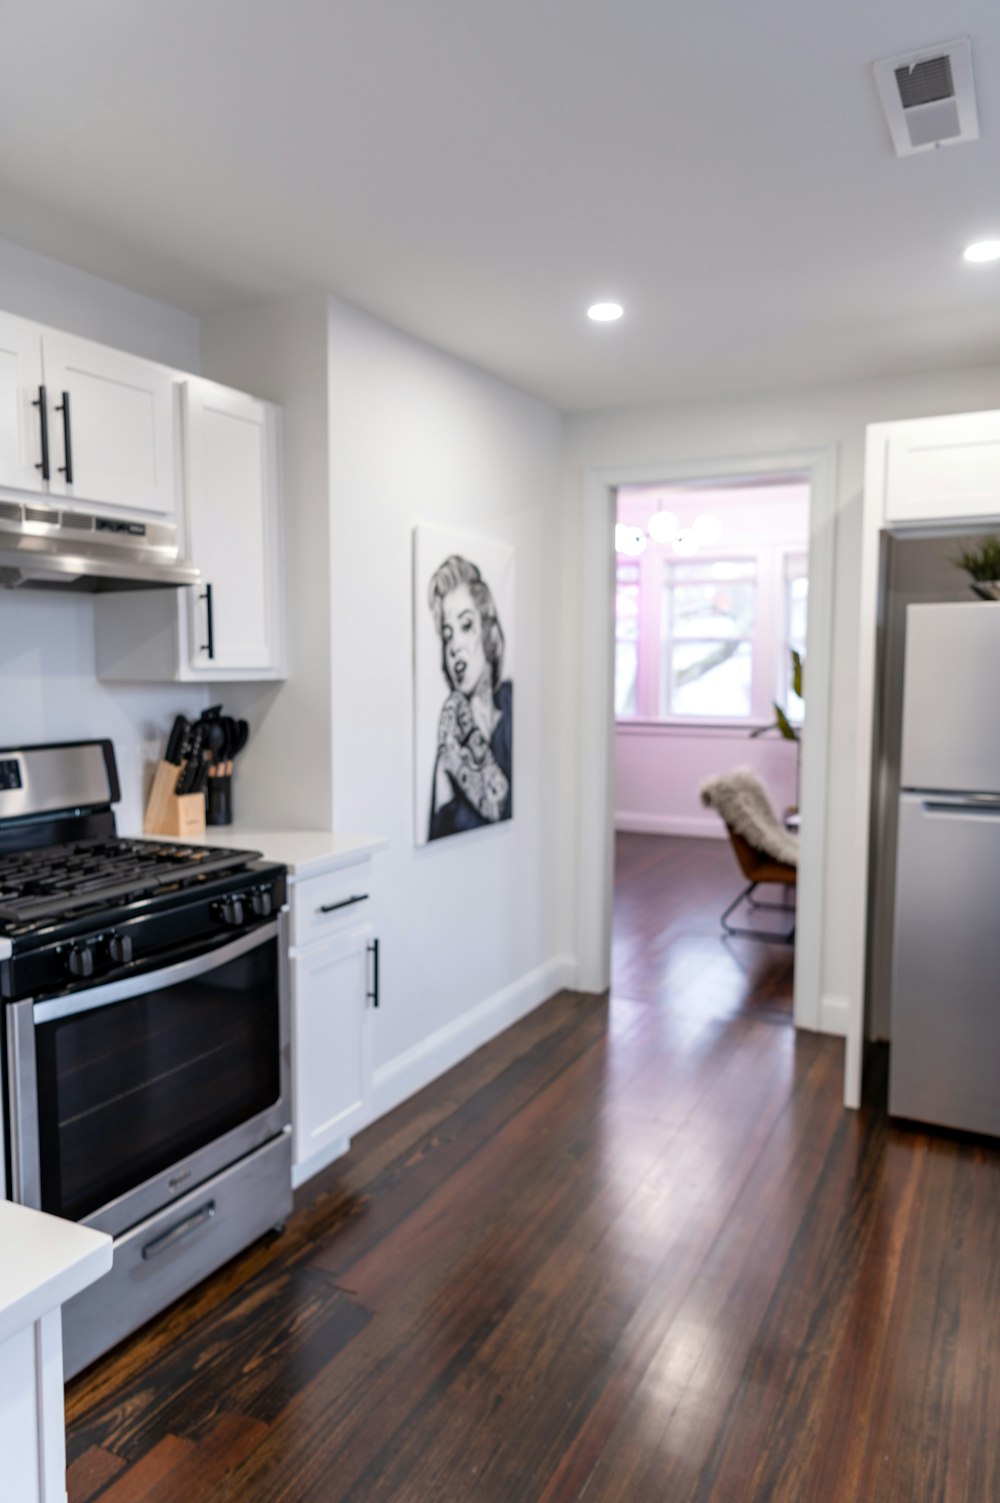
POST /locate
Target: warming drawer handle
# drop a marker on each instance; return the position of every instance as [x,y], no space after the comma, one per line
[166,1240]
[357,897]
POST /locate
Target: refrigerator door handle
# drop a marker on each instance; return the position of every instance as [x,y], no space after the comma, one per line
[986,805]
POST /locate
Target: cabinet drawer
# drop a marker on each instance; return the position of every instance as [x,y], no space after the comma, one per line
[326,905]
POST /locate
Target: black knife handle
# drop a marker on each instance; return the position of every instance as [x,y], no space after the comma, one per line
[208,646]
[67,468]
[43,419]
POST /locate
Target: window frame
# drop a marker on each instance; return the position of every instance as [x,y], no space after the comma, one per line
[750,557]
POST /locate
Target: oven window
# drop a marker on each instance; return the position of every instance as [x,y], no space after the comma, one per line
[126,1090]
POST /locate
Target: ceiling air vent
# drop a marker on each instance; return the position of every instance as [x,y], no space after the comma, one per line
[928,97]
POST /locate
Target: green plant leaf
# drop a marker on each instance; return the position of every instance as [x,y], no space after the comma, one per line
[982,561]
[797,672]
[785,725]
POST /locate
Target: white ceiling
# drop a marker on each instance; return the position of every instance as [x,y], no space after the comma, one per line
[478,171]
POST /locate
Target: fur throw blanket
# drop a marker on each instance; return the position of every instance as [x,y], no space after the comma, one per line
[739,798]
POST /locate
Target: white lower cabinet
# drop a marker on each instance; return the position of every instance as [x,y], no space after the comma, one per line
[332,995]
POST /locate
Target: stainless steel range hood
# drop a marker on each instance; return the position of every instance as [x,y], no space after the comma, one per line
[44,546]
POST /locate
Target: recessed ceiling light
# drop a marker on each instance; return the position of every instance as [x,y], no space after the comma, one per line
[605,313]
[983,250]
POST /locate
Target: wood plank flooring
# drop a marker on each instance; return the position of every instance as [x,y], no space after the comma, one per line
[632,1250]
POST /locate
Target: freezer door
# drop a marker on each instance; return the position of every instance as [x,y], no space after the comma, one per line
[944,1061]
[951,711]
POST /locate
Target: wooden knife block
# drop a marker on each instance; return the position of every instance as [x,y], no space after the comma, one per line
[169,813]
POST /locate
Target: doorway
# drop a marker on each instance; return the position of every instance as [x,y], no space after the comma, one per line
[711,597]
[596,804]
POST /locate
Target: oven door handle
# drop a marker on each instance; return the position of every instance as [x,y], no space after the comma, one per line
[168,975]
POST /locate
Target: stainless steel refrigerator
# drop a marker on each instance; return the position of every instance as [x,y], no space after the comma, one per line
[944,1062]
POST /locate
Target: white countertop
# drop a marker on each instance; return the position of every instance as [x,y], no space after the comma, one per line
[306,853]
[44,1261]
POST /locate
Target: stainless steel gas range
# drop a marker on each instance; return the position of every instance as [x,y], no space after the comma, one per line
[145,1037]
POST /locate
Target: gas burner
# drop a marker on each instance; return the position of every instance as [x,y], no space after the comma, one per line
[55,881]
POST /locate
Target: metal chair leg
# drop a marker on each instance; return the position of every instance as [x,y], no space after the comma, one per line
[738,931]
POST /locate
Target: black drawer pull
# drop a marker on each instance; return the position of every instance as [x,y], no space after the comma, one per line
[358,897]
[166,1240]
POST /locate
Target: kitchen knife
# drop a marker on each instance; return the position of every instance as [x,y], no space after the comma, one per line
[186,781]
[175,741]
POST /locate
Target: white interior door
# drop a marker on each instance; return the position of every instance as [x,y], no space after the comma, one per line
[112,427]
[232,528]
[22,431]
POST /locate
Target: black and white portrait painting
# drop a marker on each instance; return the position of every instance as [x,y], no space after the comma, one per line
[463,682]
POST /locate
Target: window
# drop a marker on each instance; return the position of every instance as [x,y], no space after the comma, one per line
[709,611]
[627,638]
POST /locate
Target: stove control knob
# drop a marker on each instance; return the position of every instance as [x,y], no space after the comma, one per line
[260,902]
[231,912]
[81,961]
[120,948]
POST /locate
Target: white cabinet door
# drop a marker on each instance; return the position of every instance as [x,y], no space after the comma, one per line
[330,1041]
[235,619]
[23,434]
[111,424]
[942,469]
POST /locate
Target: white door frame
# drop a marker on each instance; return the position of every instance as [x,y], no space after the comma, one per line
[597,725]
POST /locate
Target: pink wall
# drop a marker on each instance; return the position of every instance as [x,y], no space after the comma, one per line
[659,765]
[658,770]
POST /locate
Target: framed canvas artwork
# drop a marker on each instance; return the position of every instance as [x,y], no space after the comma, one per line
[463,646]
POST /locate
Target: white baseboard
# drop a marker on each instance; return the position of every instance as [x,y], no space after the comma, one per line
[322,1160]
[702,826]
[833,1014]
[409,1072]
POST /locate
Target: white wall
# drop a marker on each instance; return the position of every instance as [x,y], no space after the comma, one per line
[280,352]
[48,688]
[767,423]
[416,435]
[38,287]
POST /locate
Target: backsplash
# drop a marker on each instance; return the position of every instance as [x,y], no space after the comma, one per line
[49,691]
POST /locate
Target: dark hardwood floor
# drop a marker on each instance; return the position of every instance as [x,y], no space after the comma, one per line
[632,1250]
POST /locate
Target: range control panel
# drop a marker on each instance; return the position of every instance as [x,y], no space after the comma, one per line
[10,774]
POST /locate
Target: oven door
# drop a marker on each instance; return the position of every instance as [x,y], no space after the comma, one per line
[127,1095]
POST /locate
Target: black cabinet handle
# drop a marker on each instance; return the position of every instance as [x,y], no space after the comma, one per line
[372,996]
[67,468]
[43,418]
[208,646]
[358,897]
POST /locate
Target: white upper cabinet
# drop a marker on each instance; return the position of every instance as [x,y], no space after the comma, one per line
[24,457]
[235,618]
[111,427]
[86,425]
[232,625]
[943,468]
